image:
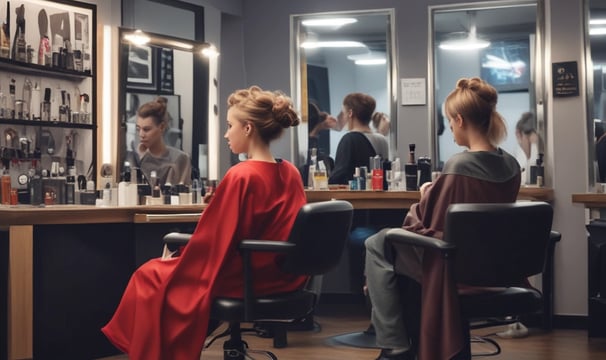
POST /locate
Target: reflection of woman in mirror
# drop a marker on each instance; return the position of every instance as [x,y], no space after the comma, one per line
[171,165]
[360,143]
[528,140]
[381,123]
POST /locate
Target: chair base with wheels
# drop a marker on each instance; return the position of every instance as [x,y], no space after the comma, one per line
[492,249]
[314,247]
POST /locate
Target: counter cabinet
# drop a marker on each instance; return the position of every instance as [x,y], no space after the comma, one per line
[67,267]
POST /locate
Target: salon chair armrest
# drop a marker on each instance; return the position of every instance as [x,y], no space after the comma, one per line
[266,246]
[405,237]
[175,240]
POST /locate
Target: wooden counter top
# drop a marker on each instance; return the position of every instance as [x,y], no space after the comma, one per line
[404,199]
[590,200]
[90,214]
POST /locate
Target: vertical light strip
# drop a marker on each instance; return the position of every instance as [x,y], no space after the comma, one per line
[214,136]
[106,98]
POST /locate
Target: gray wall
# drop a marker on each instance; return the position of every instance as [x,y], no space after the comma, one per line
[266,57]
[254,45]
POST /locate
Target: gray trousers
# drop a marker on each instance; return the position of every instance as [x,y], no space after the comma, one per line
[387,303]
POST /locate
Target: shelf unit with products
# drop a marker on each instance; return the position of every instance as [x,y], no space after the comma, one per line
[47,98]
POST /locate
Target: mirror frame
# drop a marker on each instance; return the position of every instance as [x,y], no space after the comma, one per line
[299,91]
[590,99]
[200,91]
[537,81]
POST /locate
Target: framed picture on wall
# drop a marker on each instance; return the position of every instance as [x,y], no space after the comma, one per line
[141,68]
[506,65]
[165,71]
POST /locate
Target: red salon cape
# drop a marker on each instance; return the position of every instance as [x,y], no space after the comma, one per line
[165,308]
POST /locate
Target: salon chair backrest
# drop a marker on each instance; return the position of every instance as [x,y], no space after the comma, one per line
[320,232]
[498,244]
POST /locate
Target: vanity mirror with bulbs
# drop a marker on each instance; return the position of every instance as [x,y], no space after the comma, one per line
[501,42]
[151,66]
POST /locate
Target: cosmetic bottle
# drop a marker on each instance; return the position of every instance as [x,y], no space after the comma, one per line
[63,109]
[377,174]
[196,192]
[166,193]
[70,186]
[6,187]
[54,106]
[410,170]
[537,172]
[44,51]
[34,105]
[106,195]
[45,106]
[362,178]
[3,100]
[386,165]
[10,102]
[321,177]
[26,96]
[123,183]
[353,184]
[153,181]
[397,175]
[313,164]
[21,48]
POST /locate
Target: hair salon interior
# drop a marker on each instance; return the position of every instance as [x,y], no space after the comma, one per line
[545,57]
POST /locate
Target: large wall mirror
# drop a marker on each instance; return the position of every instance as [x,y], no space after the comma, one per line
[334,54]
[596,91]
[501,43]
[152,66]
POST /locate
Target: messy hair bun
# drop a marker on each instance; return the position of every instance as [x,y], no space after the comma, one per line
[269,111]
[476,101]
[156,109]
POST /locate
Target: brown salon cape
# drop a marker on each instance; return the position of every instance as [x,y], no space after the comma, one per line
[165,308]
[467,177]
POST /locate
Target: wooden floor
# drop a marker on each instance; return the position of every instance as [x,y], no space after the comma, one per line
[331,321]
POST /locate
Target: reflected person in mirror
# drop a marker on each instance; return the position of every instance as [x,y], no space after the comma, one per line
[164,312]
[527,152]
[360,143]
[484,173]
[381,123]
[171,164]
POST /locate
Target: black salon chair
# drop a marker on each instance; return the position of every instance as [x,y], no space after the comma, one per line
[314,247]
[497,246]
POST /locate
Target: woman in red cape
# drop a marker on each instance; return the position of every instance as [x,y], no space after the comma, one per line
[164,312]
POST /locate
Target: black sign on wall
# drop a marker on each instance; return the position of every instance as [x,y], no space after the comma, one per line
[565,77]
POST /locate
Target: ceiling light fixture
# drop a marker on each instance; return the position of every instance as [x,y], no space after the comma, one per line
[370,58]
[328,22]
[137,37]
[331,44]
[596,27]
[465,41]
